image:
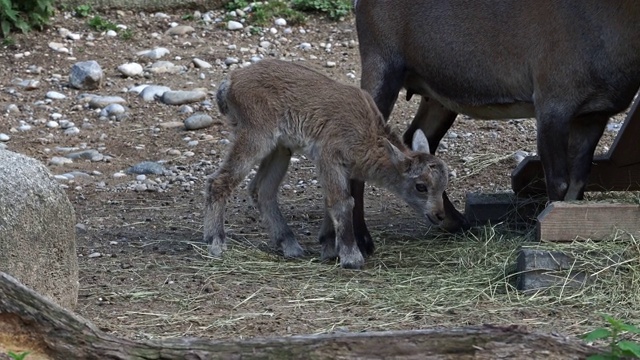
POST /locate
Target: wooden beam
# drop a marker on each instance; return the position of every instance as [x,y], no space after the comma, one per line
[625,149]
[528,178]
[29,321]
[566,221]
[483,208]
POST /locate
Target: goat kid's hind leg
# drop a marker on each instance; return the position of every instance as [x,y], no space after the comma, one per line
[219,187]
[435,120]
[585,132]
[264,192]
[340,208]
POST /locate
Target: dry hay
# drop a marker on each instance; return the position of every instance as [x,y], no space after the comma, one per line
[445,280]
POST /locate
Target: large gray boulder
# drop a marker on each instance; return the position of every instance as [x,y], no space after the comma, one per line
[37,229]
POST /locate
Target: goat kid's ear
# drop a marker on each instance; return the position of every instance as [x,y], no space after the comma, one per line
[420,142]
[397,157]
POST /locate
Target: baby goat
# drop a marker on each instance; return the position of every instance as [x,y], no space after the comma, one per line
[277,107]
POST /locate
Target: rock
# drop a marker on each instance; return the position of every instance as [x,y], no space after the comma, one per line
[138,89]
[4,137]
[113,110]
[180,30]
[130,69]
[86,75]
[330,64]
[38,240]
[58,47]
[150,92]
[201,63]
[146,167]
[29,84]
[12,108]
[161,67]
[55,95]
[171,124]
[111,33]
[89,154]
[182,97]
[98,102]
[185,109]
[305,46]
[231,60]
[280,22]
[265,44]
[24,127]
[52,124]
[154,54]
[198,121]
[234,25]
[72,131]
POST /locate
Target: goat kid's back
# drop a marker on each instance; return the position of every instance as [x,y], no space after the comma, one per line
[282,100]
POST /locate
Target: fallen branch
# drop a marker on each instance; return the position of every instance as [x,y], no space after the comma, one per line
[32,322]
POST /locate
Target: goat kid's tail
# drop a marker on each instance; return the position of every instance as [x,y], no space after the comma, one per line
[221,96]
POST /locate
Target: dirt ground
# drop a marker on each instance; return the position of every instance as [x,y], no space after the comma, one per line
[143,272]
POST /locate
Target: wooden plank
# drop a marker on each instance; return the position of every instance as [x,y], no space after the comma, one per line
[483,208]
[625,149]
[528,177]
[566,221]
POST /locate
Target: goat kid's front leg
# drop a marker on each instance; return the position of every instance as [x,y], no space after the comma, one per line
[339,206]
[219,187]
[264,192]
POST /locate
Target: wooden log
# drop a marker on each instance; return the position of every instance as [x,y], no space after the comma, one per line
[29,321]
[567,221]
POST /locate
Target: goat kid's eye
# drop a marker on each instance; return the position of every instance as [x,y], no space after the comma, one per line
[421,187]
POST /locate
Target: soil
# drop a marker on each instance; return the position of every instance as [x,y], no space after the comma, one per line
[151,279]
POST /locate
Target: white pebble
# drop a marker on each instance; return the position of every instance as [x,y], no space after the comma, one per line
[280,22]
[234,25]
[52,124]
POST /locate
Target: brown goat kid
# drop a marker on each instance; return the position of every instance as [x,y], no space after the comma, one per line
[277,107]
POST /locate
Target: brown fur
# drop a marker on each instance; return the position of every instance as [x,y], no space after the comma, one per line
[276,108]
[571,64]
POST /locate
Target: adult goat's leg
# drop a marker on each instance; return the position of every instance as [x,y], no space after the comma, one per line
[264,192]
[383,81]
[584,135]
[553,124]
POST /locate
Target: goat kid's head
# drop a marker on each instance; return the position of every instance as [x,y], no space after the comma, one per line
[424,178]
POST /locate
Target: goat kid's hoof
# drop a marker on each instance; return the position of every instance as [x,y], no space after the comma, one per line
[216,250]
[328,252]
[355,261]
[292,250]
